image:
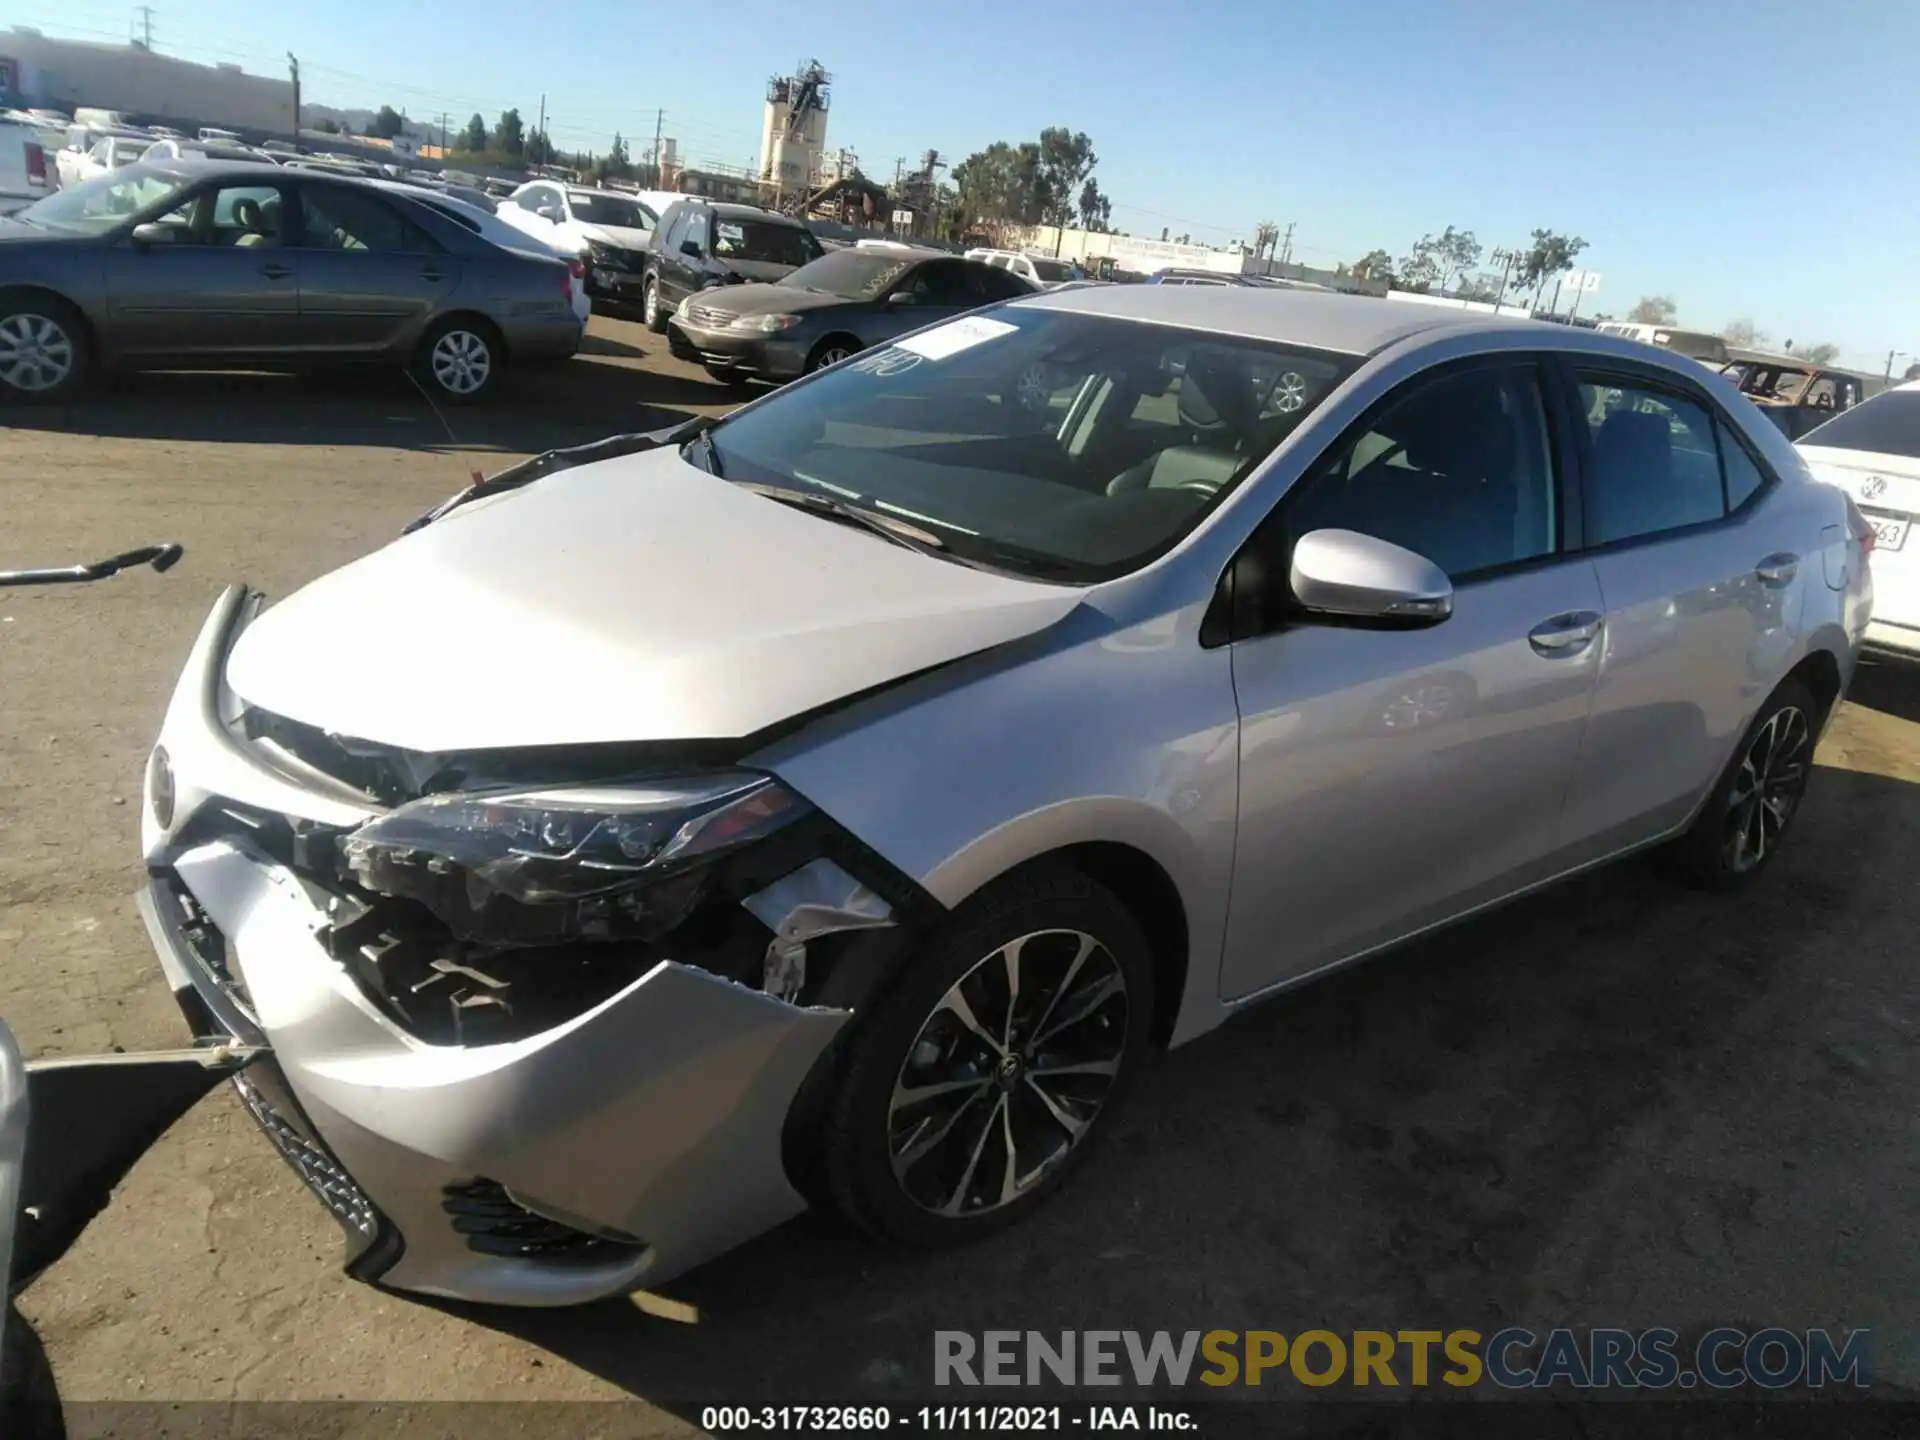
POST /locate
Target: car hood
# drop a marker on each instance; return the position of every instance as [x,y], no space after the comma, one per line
[768,299]
[621,236]
[636,599]
[749,271]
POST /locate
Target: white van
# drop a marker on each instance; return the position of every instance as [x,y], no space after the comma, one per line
[1709,350]
[26,170]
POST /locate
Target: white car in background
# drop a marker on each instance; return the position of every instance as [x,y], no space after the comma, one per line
[109,152]
[608,229]
[495,231]
[1039,271]
[26,170]
[1873,453]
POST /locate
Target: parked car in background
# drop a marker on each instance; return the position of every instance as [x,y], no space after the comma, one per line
[26,169]
[609,230]
[1794,394]
[214,265]
[702,243]
[876,872]
[176,152]
[1039,271]
[491,228]
[109,152]
[1710,350]
[1873,453]
[218,136]
[839,305]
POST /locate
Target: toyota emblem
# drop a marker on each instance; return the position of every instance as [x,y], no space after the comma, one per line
[1873,487]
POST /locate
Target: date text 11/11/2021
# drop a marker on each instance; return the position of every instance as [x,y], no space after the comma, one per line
[977,1419]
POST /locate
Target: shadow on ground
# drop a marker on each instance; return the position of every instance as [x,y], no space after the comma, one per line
[1594,1103]
[568,404]
[1889,685]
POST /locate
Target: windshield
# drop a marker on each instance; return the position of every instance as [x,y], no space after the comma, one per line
[614,210]
[1046,443]
[764,241]
[856,274]
[1888,424]
[96,206]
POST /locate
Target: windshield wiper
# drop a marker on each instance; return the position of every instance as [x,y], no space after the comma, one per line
[885,526]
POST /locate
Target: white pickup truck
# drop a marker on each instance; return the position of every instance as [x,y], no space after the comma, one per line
[26,169]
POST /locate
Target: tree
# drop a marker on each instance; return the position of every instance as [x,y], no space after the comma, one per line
[1375,265]
[1549,255]
[386,124]
[509,136]
[615,164]
[328,126]
[1265,236]
[1744,334]
[1654,310]
[1419,269]
[1821,354]
[1066,161]
[474,138]
[1454,253]
[1913,372]
[1476,287]
[1096,210]
[1003,185]
[539,149]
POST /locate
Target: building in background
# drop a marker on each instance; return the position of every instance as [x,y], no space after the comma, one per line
[794,136]
[149,89]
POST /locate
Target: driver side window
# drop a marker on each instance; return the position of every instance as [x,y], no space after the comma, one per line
[246,216]
[1459,470]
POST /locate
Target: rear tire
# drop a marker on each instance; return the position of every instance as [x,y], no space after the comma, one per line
[896,1162]
[461,360]
[1752,807]
[831,351]
[45,353]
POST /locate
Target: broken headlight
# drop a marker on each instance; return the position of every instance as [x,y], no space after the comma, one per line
[614,862]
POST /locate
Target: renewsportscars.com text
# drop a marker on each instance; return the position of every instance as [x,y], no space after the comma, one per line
[1513,1358]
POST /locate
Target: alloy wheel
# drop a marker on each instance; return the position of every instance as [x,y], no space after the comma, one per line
[832,355]
[1290,393]
[461,362]
[36,353]
[1766,788]
[1008,1073]
[1031,390]
[650,304]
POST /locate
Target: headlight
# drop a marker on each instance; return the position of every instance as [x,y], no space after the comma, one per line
[601,253]
[764,324]
[601,863]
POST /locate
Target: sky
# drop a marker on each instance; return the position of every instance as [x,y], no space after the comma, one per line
[1751,160]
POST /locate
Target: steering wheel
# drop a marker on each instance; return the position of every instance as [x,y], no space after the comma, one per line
[1209,488]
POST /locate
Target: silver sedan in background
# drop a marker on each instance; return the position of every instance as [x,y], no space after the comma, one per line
[838,801]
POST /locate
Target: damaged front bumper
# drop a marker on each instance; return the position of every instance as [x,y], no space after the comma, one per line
[614,1149]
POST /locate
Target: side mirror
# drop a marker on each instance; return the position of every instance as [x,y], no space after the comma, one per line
[152,233]
[690,247]
[1346,575]
[903,297]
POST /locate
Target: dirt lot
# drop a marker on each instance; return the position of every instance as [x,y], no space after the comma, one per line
[1613,1104]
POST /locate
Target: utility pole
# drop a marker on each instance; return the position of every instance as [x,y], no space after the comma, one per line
[443,137]
[1286,245]
[542,128]
[293,67]
[145,12]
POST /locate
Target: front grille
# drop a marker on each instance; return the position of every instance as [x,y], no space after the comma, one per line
[612,257]
[492,1222]
[708,316]
[335,1188]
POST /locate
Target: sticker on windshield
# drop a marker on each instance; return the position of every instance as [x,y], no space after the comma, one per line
[730,232]
[891,361]
[951,339]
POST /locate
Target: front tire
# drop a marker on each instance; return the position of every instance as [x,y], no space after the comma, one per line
[652,313]
[44,351]
[970,1088]
[831,352]
[1747,817]
[460,361]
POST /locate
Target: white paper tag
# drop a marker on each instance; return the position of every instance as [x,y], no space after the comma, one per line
[951,339]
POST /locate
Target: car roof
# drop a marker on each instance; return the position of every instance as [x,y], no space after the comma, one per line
[1346,324]
[728,210]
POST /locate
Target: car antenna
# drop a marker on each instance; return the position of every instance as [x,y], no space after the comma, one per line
[474,476]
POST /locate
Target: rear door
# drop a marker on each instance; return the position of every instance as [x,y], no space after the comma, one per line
[1701,577]
[224,284]
[370,278]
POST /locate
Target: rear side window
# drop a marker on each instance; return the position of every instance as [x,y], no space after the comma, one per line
[1744,476]
[1654,462]
[1460,471]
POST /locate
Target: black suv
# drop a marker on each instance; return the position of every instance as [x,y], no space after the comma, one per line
[701,243]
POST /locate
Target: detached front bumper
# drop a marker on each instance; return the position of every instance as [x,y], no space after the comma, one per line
[748,353]
[635,1140]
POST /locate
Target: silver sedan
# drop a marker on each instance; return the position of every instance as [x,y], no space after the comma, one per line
[839,802]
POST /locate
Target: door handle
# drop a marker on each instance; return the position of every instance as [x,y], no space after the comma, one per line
[1564,635]
[276,271]
[435,276]
[1777,569]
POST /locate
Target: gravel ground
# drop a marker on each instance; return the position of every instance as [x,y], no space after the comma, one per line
[1615,1103]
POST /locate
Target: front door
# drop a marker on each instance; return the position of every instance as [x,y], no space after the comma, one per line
[222,283]
[1390,779]
[369,277]
[1702,580]
[684,267]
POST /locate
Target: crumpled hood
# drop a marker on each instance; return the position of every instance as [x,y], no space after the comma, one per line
[622,237]
[636,599]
